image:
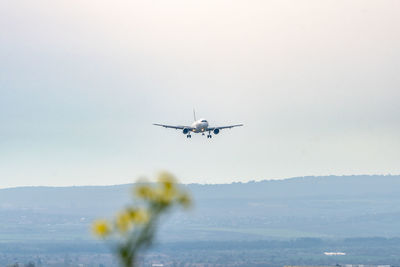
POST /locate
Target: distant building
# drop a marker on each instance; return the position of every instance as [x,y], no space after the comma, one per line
[334,253]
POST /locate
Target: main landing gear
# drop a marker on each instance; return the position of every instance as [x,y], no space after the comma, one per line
[209,135]
[188,136]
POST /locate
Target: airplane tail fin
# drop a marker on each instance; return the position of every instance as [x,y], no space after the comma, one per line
[194,115]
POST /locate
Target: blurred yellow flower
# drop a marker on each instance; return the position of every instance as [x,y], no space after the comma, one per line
[144,192]
[139,216]
[133,227]
[101,228]
[123,222]
[167,180]
[185,200]
[164,196]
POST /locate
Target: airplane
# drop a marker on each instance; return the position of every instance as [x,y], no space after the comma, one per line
[198,126]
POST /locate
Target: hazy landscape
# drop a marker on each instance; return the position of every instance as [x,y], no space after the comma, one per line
[291,221]
[280,120]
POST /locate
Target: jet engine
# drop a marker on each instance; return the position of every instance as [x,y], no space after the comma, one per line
[216,131]
[185,131]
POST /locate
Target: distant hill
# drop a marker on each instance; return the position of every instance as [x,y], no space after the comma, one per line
[329,206]
[309,186]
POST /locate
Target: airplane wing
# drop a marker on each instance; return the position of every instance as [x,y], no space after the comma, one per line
[224,127]
[173,127]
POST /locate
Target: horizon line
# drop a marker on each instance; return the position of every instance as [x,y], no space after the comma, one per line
[186,184]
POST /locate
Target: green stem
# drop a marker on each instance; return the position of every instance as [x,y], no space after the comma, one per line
[128,252]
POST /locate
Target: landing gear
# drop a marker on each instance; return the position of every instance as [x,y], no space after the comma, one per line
[188,136]
[209,136]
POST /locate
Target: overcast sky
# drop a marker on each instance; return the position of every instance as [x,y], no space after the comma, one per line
[316,84]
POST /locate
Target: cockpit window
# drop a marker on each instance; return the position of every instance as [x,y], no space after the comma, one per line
[203,121]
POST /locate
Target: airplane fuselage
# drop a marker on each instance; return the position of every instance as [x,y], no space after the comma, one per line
[200,126]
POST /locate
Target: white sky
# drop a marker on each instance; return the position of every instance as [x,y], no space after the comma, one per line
[316,84]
